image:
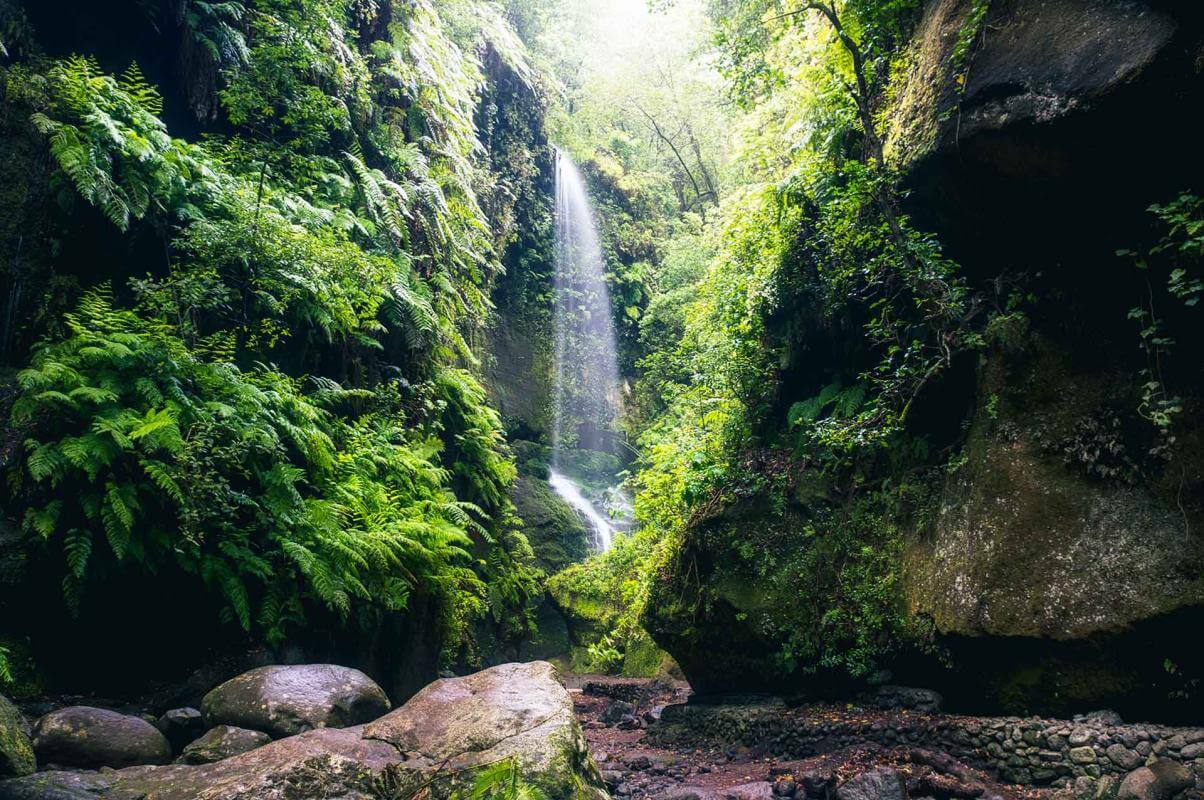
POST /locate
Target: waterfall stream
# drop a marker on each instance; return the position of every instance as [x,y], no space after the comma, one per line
[585,442]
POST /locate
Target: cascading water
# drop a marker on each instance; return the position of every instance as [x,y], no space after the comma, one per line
[584,433]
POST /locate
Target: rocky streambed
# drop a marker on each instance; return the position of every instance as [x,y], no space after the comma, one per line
[316,731]
[323,731]
[650,744]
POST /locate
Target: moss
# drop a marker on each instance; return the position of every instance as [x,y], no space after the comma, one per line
[770,596]
[1028,534]
[16,750]
[557,535]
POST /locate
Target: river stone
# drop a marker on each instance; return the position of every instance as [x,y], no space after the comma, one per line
[181,726]
[81,736]
[222,742]
[287,700]
[16,749]
[1123,757]
[1161,780]
[320,764]
[882,783]
[513,710]
[1082,755]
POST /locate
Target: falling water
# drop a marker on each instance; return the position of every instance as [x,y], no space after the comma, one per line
[587,371]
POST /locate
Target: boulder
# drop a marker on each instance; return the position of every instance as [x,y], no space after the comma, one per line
[617,710]
[923,700]
[287,700]
[16,749]
[882,783]
[438,741]
[223,742]
[181,726]
[512,711]
[1161,780]
[81,736]
[1123,757]
[757,790]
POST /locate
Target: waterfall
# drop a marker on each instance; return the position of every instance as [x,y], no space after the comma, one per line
[585,442]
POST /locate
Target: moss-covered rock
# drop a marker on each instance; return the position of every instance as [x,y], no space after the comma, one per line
[512,714]
[16,749]
[1025,62]
[556,533]
[1050,528]
[769,595]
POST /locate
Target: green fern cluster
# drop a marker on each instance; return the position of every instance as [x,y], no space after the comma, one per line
[286,409]
[142,452]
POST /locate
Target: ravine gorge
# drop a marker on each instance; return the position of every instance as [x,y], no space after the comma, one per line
[588,399]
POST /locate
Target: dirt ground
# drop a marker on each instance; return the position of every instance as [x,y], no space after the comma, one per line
[635,770]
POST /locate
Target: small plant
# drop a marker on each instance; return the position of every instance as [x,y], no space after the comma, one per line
[502,780]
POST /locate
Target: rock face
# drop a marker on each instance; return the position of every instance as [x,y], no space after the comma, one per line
[1024,540]
[287,700]
[1050,570]
[79,736]
[557,535]
[16,749]
[222,742]
[1039,60]
[517,711]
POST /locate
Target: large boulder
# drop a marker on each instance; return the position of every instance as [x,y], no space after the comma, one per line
[512,711]
[439,740]
[1161,780]
[16,749]
[557,535]
[1019,130]
[1050,535]
[287,700]
[222,742]
[81,736]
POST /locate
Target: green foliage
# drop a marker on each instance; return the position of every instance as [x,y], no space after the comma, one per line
[502,780]
[1178,260]
[283,405]
[607,593]
[109,143]
[236,477]
[967,38]
[758,409]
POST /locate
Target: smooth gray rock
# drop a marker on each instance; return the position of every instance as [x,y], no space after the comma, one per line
[181,726]
[1123,757]
[81,736]
[287,700]
[1161,780]
[223,742]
